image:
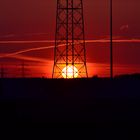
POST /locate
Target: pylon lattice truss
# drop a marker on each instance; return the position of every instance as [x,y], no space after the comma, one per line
[70,52]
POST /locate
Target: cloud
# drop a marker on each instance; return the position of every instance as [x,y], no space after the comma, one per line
[133,40]
[26,42]
[28,50]
[35,34]
[22,35]
[115,41]
[7,36]
[28,58]
[50,47]
[124,27]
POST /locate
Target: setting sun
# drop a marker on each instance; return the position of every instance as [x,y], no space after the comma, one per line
[70,72]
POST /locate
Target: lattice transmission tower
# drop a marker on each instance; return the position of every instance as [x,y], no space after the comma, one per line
[70,51]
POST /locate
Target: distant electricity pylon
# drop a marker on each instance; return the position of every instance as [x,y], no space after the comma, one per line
[23,70]
[2,72]
[70,52]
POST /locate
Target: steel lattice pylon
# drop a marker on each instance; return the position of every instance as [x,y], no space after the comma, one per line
[70,52]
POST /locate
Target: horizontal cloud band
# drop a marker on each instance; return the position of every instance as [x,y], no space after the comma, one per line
[50,47]
[87,41]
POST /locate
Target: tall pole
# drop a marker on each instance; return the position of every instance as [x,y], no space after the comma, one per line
[67,37]
[111,40]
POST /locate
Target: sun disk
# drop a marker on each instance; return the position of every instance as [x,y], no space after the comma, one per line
[70,72]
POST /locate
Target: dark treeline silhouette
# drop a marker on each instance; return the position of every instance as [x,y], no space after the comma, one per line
[100,101]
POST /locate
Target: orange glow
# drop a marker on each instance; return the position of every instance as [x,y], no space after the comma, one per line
[70,72]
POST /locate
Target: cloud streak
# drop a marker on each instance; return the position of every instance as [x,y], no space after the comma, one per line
[28,58]
[87,41]
[27,50]
[124,27]
[50,47]
[115,41]
[26,42]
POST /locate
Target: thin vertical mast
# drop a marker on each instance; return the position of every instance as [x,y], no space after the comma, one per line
[111,41]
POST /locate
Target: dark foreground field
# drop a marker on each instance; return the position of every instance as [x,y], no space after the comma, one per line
[95,102]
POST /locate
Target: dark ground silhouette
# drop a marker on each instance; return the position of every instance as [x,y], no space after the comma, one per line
[96,101]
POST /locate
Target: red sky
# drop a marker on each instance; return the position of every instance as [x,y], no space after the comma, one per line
[35,20]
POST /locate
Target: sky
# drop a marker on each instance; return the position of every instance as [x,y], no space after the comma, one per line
[24,22]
